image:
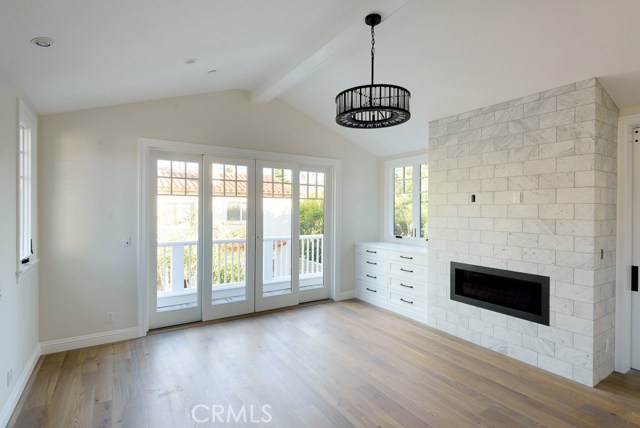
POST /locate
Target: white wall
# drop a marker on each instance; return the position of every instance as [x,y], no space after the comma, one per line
[88,196]
[19,302]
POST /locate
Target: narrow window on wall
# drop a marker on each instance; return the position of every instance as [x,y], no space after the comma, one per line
[26,187]
[424,199]
[407,200]
[403,201]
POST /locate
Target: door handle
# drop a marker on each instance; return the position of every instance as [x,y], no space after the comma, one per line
[634,278]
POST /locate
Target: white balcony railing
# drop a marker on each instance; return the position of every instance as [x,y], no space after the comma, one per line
[177,263]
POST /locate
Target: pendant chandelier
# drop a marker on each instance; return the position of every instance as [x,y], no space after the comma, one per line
[373,106]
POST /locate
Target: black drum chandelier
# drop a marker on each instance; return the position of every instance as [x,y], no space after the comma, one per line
[373,106]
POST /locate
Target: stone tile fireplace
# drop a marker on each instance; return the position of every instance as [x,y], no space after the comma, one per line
[529,185]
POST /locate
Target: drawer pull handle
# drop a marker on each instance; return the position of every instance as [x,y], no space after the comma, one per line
[407,301]
[407,286]
[372,263]
[372,290]
[406,270]
[406,257]
[371,276]
[372,252]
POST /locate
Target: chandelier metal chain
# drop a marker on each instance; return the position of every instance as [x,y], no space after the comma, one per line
[373,50]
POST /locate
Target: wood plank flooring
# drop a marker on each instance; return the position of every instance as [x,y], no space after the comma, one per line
[345,364]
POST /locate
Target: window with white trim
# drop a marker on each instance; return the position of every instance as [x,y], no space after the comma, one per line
[406,199]
[27,135]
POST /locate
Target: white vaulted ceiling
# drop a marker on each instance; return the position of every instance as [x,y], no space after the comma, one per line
[453,55]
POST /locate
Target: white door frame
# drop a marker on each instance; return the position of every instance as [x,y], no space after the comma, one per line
[145,145]
[626,124]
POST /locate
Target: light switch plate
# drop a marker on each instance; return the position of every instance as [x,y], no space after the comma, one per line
[516,197]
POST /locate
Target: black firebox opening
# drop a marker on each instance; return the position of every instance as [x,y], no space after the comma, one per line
[512,293]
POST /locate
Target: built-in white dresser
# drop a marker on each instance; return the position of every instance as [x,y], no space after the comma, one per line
[393,276]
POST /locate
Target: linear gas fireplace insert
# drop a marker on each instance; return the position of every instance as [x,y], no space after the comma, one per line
[512,293]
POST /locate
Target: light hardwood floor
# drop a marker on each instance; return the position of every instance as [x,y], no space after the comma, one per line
[345,364]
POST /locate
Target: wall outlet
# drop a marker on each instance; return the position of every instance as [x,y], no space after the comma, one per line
[110,317]
[126,241]
[9,377]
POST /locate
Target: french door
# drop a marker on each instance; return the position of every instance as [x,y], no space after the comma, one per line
[227,237]
[278,239]
[316,223]
[175,228]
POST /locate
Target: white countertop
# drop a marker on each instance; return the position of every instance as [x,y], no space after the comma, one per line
[392,246]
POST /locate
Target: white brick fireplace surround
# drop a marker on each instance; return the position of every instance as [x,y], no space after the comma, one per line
[543,172]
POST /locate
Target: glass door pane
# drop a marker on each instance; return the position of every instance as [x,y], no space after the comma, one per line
[278,212]
[276,223]
[175,234]
[312,189]
[229,231]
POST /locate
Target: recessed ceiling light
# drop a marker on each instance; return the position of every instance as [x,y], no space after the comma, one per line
[212,71]
[43,42]
[190,61]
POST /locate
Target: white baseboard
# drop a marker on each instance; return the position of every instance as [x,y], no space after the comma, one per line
[345,296]
[78,342]
[19,387]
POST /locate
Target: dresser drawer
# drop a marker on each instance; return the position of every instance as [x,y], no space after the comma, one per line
[372,290]
[409,286]
[416,273]
[409,302]
[372,277]
[406,257]
[366,262]
[371,251]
